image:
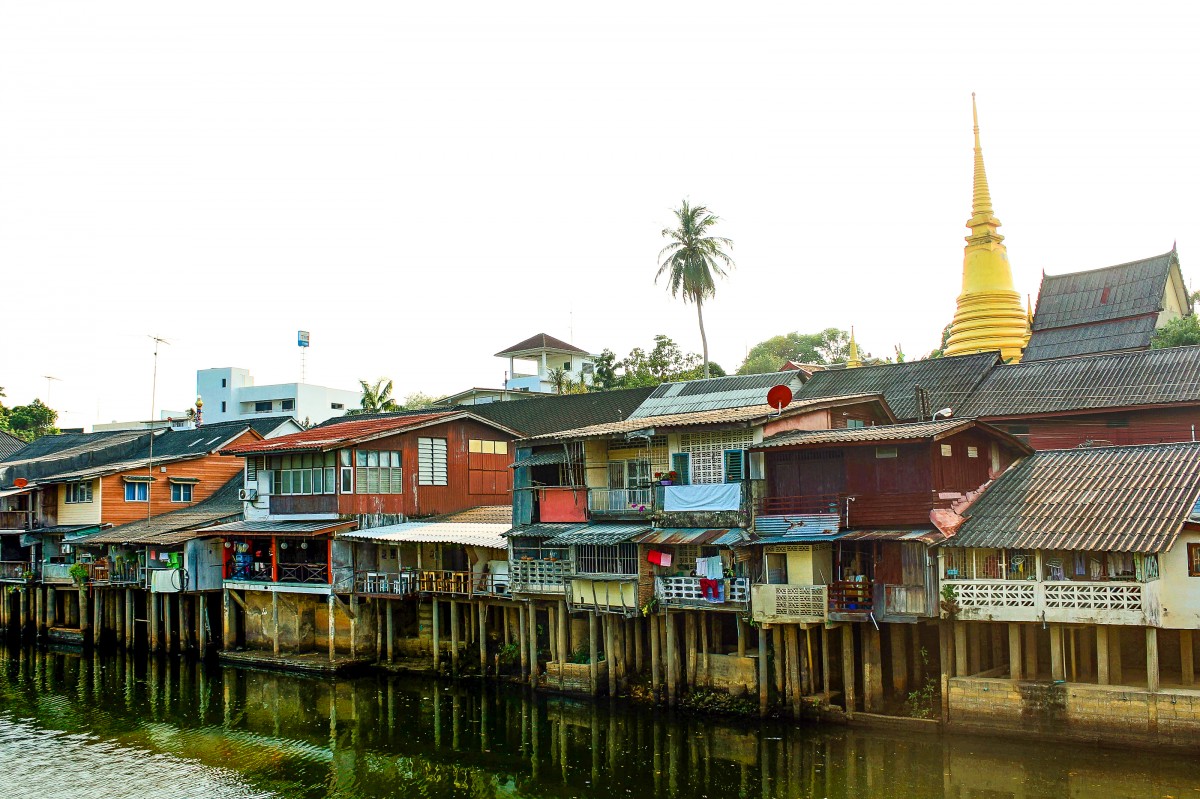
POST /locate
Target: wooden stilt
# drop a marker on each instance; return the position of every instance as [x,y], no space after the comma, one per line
[332,627]
[655,654]
[1014,652]
[1030,649]
[201,621]
[533,645]
[743,631]
[453,636]
[960,649]
[391,630]
[1057,671]
[825,663]
[689,646]
[1153,683]
[896,636]
[564,641]
[777,650]
[227,622]
[593,664]
[610,654]
[793,668]
[638,627]
[437,639]
[703,671]
[1103,661]
[848,691]
[672,665]
[354,625]
[483,642]
[763,686]
[872,669]
[152,629]
[1115,669]
[275,623]
[807,678]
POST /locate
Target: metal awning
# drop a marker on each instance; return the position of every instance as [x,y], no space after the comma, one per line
[542,530]
[137,478]
[547,458]
[605,534]
[183,480]
[464,533]
[12,492]
[278,528]
[689,536]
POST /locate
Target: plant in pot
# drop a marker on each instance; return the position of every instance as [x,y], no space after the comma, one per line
[78,573]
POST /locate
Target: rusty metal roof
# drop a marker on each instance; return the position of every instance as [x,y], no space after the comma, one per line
[913,431]
[177,526]
[268,527]
[1121,499]
[715,393]
[599,534]
[699,536]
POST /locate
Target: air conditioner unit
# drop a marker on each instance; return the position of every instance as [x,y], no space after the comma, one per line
[247,494]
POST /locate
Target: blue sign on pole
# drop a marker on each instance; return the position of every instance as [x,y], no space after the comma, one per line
[302,338]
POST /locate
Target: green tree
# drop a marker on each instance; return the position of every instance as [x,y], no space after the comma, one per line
[665,363]
[940,352]
[829,346]
[605,377]
[1180,332]
[417,400]
[376,398]
[692,260]
[31,421]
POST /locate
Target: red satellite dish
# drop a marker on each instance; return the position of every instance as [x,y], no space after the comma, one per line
[779,397]
[20,482]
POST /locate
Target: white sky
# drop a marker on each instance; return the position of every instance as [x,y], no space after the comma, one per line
[421,185]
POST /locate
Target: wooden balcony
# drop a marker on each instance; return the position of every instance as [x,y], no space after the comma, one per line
[16,520]
[1069,602]
[696,592]
[292,573]
[850,597]
[13,571]
[462,584]
[789,604]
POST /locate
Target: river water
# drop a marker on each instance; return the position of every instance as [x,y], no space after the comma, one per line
[110,727]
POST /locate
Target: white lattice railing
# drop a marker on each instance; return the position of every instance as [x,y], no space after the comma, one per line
[539,576]
[1094,596]
[1000,600]
[688,591]
[790,603]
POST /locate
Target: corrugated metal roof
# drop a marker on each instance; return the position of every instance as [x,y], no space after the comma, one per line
[1099,295]
[542,530]
[177,525]
[464,533]
[482,514]
[332,436]
[948,381]
[715,393]
[747,414]
[860,435]
[599,534]
[547,458]
[267,527]
[924,535]
[9,444]
[1113,380]
[1124,499]
[695,536]
[798,525]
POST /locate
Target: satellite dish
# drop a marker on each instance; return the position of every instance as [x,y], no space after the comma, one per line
[20,482]
[779,397]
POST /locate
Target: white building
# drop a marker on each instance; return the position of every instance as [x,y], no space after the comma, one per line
[540,355]
[229,393]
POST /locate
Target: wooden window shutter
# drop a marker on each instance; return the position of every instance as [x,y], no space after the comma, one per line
[735,465]
[681,464]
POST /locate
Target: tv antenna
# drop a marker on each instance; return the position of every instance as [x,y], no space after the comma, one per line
[153,401]
[48,379]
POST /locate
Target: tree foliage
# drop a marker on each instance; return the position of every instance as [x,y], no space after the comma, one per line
[940,352]
[28,422]
[692,260]
[416,400]
[376,398]
[1180,332]
[829,346]
[665,362]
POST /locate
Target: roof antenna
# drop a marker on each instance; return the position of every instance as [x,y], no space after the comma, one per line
[153,401]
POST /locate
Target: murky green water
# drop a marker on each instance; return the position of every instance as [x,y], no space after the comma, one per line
[114,727]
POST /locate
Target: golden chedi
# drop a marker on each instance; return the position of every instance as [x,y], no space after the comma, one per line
[989,314]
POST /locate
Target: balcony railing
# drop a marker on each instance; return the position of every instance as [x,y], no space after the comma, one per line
[698,592]
[462,583]
[57,573]
[14,570]
[1068,601]
[850,597]
[539,576]
[800,604]
[296,573]
[16,520]
[859,510]
[125,574]
[380,583]
[622,501]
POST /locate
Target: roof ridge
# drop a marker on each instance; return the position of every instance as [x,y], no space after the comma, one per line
[1113,266]
[1116,354]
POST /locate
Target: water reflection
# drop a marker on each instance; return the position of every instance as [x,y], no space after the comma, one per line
[122,726]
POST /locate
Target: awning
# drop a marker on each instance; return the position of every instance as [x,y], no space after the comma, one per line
[799,525]
[12,492]
[604,534]
[137,478]
[183,480]
[547,458]
[542,530]
[464,533]
[692,536]
[306,528]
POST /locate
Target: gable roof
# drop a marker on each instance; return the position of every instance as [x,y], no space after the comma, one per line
[746,415]
[1124,499]
[1092,382]
[715,393]
[1101,310]
[9,444]
[551,413]
[176,526]
[949,381]
[351,431]
[540,342]
[911,431]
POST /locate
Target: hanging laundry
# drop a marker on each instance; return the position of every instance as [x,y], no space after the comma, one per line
[659,558]
[709,589]
[701,567]
[716,568]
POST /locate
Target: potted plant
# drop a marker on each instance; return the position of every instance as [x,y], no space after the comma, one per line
[78,573]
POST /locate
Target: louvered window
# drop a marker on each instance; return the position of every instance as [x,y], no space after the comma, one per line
[431,461]
[681,464]
[735,465]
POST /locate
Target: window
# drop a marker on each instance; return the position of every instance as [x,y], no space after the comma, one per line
[431,461]
[886,452]
[224,382]
[487,447]
[337,406]
[972,452]
[1193,560]
[136,492]
[377,472]
[735,465]
[606,559]
[287,405]
[310,473]
[947,450]
[629,474]
[262,407]
[681,464]
[707,451]
[777,573]
[854,424]
[222,406]
[567,366]
[181,492]
[79,492]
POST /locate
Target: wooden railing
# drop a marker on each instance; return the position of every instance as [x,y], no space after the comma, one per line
[381,583]
[16,520]
[14,570]
[729,594]
[462,583]
[305,573]
[850,597]
[859,510]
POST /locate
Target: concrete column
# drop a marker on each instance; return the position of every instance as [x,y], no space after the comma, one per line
[1115,671]
[85,617]
[453,636]
[960,649]
[51,607]
[391,632]
[275,622]
[564,641]
[437,638]
[896,636]
[872,670]
[655,654]
[610,654]
[1152,674]
[354,625]
[552,630]
[848,668]
[763,688]
[743,631]
[1186,657]
[1057,669]
[152,605]
[168,622]
[228,634]
[331,626]
[1014,651]
[593,665]
[1102,657]
[533,645]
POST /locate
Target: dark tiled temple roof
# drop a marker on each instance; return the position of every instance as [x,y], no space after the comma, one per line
[947,380]
[1123,499]
[1094,382]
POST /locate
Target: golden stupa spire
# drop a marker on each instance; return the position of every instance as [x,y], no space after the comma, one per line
[989,314]
[852,359]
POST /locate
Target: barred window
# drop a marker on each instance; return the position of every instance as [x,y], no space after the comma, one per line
[431,461]
[606,559]
[377,472]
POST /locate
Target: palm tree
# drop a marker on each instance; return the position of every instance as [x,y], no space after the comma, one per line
[692,259]
[377,398]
